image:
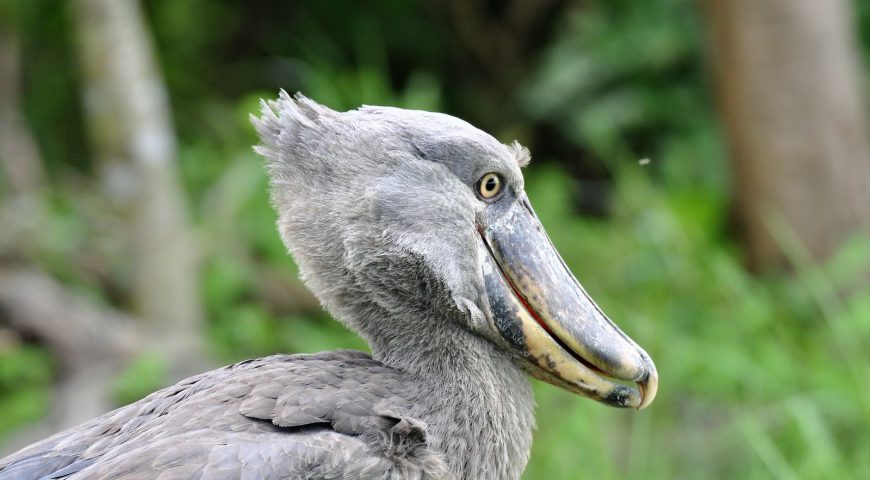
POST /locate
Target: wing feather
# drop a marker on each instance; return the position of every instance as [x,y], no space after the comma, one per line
[334,415]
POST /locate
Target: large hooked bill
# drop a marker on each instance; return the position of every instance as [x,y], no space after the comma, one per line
[547,317]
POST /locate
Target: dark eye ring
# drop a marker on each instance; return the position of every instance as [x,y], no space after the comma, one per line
[489,186]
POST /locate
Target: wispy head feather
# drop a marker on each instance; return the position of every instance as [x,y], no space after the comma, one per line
[521,153]
[285,123]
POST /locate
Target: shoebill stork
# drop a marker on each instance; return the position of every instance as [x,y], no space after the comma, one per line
[414,230]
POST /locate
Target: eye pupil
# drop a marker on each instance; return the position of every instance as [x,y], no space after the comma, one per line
[491,183]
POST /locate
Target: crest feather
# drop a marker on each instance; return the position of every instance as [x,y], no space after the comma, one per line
[283,121]
[520,153]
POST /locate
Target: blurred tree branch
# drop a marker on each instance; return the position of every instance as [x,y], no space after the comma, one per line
[20,157]
[19,154]
[789,86]
[79,333]
[133,139]
[91,344]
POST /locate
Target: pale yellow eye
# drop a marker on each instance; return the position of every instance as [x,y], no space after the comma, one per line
[489,186]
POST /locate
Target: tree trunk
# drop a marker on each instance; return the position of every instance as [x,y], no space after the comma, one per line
[19,156]
[790,96]
[22,208]
[134,141]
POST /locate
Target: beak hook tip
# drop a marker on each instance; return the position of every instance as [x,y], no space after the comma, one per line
[648,387]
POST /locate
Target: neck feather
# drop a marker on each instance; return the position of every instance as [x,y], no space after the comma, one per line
[478,405]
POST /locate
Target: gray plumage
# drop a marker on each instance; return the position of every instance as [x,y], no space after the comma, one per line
[286,416]
[379,208]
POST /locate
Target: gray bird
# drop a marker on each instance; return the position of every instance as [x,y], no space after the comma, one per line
[414,230]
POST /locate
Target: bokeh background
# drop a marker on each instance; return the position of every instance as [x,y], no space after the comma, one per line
[703,167]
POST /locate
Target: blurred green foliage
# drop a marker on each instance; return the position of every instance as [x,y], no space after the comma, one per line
[761,377]
[25,382]
[144,375]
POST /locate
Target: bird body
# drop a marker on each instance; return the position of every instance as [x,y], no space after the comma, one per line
[414,230]
[333,415]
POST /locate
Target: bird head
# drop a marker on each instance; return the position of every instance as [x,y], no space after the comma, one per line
[407,212]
